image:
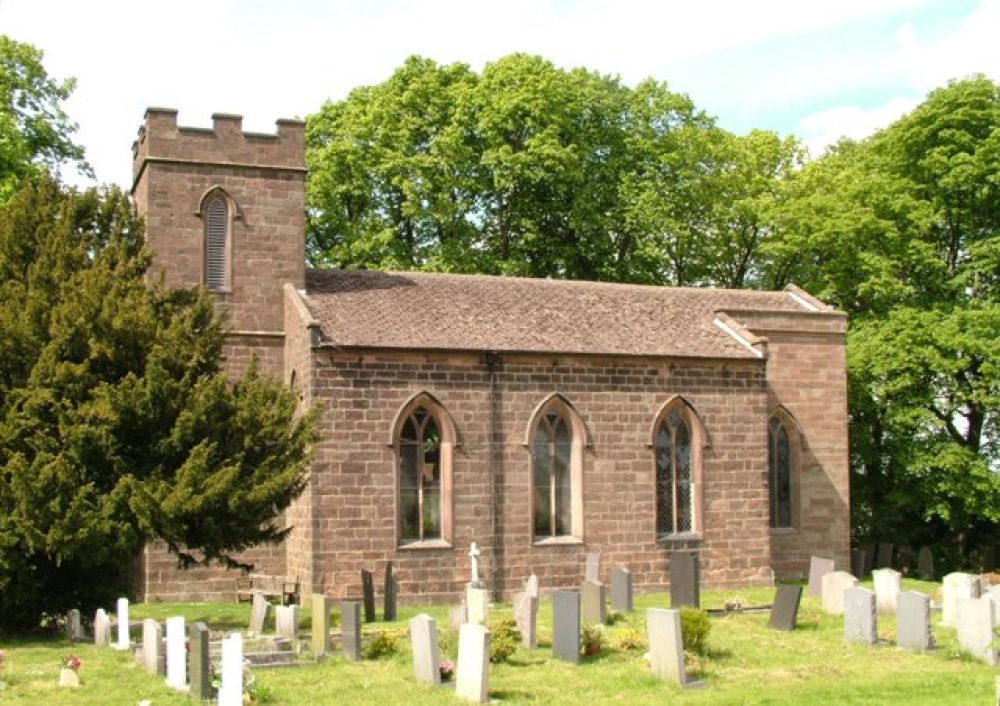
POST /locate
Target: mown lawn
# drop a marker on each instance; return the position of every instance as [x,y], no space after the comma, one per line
[748,663]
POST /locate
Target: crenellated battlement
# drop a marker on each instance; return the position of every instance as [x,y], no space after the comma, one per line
[160,139]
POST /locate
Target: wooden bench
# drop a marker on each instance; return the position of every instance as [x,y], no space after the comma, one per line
[283,588]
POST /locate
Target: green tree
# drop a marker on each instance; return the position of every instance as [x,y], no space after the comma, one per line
[117,424]
[35,132]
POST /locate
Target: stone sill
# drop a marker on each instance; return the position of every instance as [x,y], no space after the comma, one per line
[557,542]
[427,544]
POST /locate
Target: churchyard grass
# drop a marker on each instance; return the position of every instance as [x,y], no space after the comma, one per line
[747,663]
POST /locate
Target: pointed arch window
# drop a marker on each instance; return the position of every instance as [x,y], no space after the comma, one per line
[424,443]
[217,243]
[779,473]
[677,436]
[556,443]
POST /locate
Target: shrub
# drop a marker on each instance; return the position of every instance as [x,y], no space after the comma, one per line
[382,643]
[504,639]
[628,637]
[695,626]
[594,639]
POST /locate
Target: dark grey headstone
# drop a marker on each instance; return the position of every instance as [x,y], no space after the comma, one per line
[350,629]
[883,556]
[818,568]
[858,563]
[593,606]
[913,621]
[391,593]
[860,616]
[368,594]
[869,558]
[199,662]
[925,564]
[685,584]
[566,625]
[621,589]
[904,560]
[785,609]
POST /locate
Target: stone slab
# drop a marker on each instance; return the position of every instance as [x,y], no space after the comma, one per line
[860,616]
[424,645]
[566,625]
[785,609]
[685,582]
[473,669]
[913,621]
[818,568]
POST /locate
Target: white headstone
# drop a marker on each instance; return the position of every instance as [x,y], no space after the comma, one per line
[259,612]
[176,653]
[955,586]
[666,648]
[834,585]
[102,628]
[975,621]
[426,657]
[592,572]
[231,687]
[287,619]
[477,605]
[124,639]
[888,583]
[474,553]
[152,646]
[472,678]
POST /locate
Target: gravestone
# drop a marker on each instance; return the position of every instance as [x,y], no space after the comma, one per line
[860,616]
[883,556]
[473,671]
[231,687]
[350,629]
[259,613]
[152,646]
[456,617]
[887,584]
[102,628]
[474,579]
[566,625]
[320,624]
[684,580]
[834,585]
[592,571]
[424,642]
[391,593]
[974,628]
[124,639]
[785,609]
[74,626]
[818,568]
[955,586]
[176,653]
[592,600]
[869,558]
[666,648]
[477,605]
[287,621]
[199,661]
[904,560]
[925,564]
[621,589]
[913,621]
[858,563]
[526,617]
[368,594]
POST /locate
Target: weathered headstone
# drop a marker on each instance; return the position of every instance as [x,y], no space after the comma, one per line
[666,648]
[456,617]
[176,653]
[199,661]
[391,593]
[684,580]
[260,611]
[883,556]
[925,564]
[152,646]
[526,617]
[621,589]
[785,609]
[858,563]
[869,558]
[904,560]
[231,686]
[818,568]
[860,616]
[913,621]
[74,626]
[887,583]
[350,629]
[566,625]
[368,594]
[320,624]
[424,642]
[834,585]
[124,638]
[473,671]
[974,627]
[955,586]
[287,621]
[592,572]
[592,603]
[102,628]
[477,605]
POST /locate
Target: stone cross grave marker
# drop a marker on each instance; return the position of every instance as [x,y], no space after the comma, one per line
[124,638]
[231,687]
[860,616]
[592,572]
[621,589]
[350,629]
[477,605]
[955,586]
[320,624]
[474,580]
[592,602]
[925,564]
[287,620]
[834,585]
[424,642]
[818,568]
[199,662]
[473,671]
[913,621]
[785,609]
[260,611]
[176,653]
[391,593]
[666,648]
[74,626]
[152,646]
[684,580]
[974,627]
[566,625]
[883,556]
[888,583]
[102,628]
[368,594]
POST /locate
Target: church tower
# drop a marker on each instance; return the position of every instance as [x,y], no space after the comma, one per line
[226,209]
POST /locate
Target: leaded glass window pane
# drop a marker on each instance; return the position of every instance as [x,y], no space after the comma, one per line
[420,477]
[552,473]
[674,476]
[664,481]
[780,475]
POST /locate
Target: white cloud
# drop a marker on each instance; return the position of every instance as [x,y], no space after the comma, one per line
[826,127]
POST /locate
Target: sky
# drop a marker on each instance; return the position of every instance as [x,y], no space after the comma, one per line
[816,69]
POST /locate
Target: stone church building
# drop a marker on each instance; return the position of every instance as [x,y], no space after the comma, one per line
[542,419]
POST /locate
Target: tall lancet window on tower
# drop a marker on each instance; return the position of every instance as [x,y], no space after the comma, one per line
[217,243]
